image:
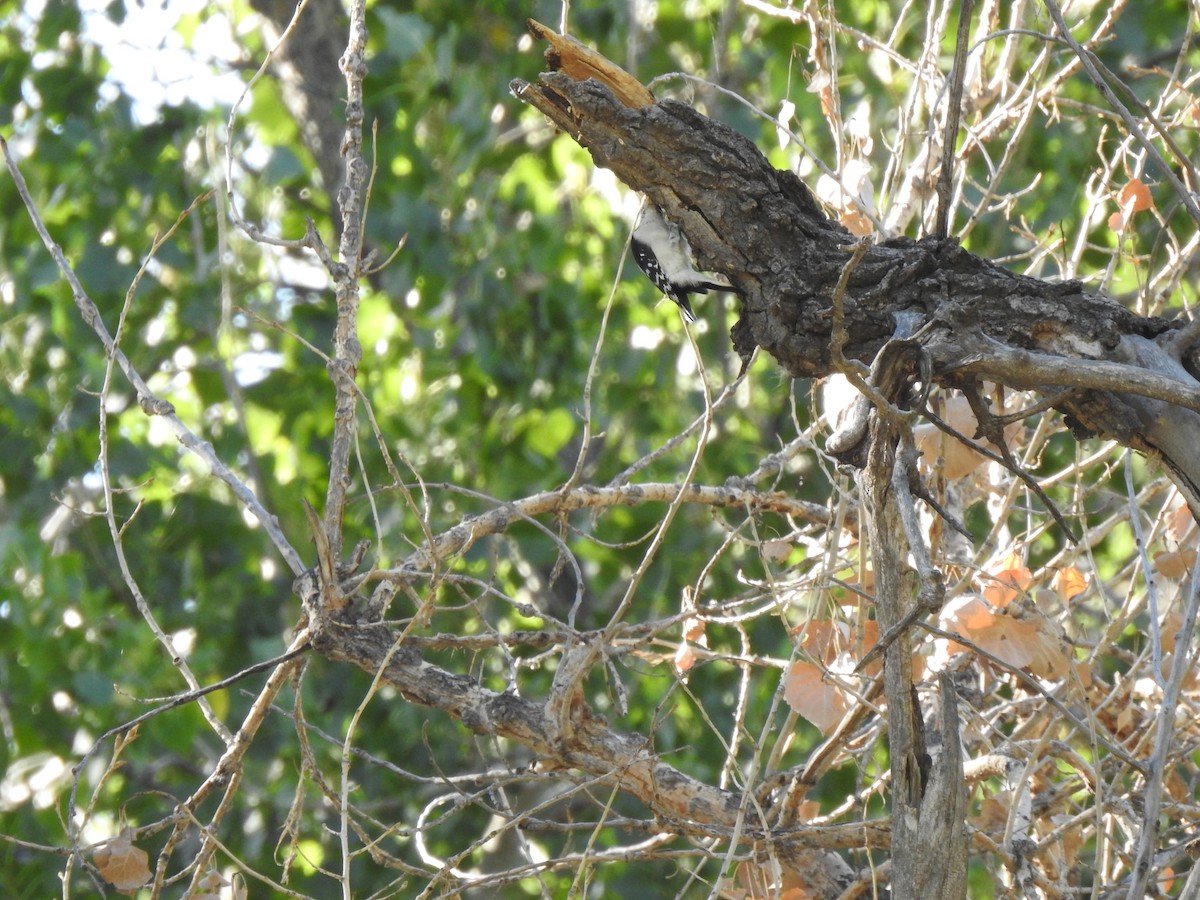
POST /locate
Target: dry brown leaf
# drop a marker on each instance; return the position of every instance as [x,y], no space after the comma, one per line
[685,657]
[808,810]
[1175,564]
[1019,636]
[756,880]
[1008,583]
[1172,623]
[819,84]
[823,640]
[1050,661]
[121,864]
[856,223]
[1010,641]
[759,881]
[694,636]
[808,692]
[1083,672]
[957,459]
[1165,880]
[693,630]
[1135,196]
[992,816]
[967,613]
[211,885]
[1072,840]
[1180,522]
[1070,582]
[1132,198]
[776,552]
[870,637]
[1177,786]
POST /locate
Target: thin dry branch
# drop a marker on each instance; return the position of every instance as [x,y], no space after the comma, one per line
[575,737]
[466,533]
[150,404]
[347,352]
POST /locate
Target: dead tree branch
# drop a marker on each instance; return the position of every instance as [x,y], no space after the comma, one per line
[763,229]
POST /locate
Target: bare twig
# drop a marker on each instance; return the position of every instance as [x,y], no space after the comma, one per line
[945,186]
[149,402]
[1186,197]
[1183,662]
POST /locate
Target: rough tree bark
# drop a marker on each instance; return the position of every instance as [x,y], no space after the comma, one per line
[1114,373]
[929,837]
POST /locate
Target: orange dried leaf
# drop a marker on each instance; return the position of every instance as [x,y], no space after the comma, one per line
[1180,522]
[1049,661]
[1010,641]
[992,816]
[1175,564]
[1009,583]
[121,864]
[808,810]
[823,640]
[1070,582]
[755,880]
[1012,560]
[1166,880]
[819,84]
[811,696]
[967,614]
[958,460]
[685,657]
[1172,624]
[870,637]
[1135,196]
[1177,786]
[1070,838]
[211,885]
[1083,672]
[856,223]
[693,630]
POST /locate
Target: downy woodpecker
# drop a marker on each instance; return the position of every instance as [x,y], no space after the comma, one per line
[663,253]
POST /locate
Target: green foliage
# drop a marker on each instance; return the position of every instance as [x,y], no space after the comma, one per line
[478,338]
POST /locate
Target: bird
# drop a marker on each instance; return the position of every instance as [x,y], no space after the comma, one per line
[663,253]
